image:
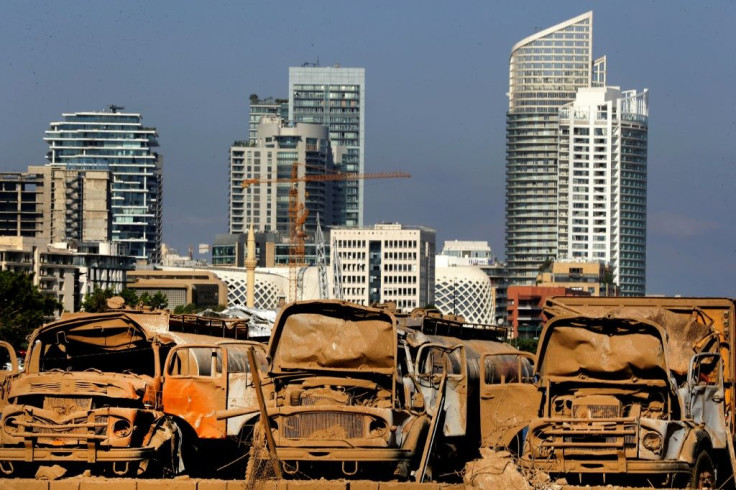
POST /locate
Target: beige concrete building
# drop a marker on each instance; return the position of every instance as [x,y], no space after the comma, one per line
[57,204]
[591,277]
[182,287]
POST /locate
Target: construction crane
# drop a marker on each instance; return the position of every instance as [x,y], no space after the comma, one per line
[298,212]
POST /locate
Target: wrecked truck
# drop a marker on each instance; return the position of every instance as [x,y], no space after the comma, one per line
[634,386]
[336,399]
[88,395]
[357,391]
[97,394]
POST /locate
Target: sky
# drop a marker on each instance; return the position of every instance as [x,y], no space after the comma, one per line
[436,83]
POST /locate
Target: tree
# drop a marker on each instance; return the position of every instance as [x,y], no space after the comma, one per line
[158,301]
[185,309]
[131,299]
[22,307]
[96,301]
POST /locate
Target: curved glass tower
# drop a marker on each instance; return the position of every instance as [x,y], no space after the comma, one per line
[545,72]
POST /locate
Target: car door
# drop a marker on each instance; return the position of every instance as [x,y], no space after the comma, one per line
[8,370]
[431,361]
[705,379]
[509,398]
[195,387]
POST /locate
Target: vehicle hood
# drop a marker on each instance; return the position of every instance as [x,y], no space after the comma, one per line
[333,335]
[111,330]
[606,349]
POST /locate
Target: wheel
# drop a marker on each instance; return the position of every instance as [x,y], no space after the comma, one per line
[703,474]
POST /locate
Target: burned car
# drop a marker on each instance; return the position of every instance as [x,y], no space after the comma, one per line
[338,402]
[623,398]
[98,393]
[89,395]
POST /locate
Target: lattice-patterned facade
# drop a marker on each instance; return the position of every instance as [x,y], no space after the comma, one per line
[464,291]
[270,287]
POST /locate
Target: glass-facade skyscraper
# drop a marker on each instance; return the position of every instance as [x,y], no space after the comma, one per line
[545,71]
[118,142]
[335,97]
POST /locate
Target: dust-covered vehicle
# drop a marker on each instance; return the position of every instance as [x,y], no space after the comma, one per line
[89,396]
[338,402]
[633,390]
[97,393]
[208,390]
[488,397]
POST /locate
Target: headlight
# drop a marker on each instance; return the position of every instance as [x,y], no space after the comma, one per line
[11,426]
[121,428]
[653,442]
[377,428]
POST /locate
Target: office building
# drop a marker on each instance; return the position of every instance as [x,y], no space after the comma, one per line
[335,97]
[117,142]
[602,184]
[386,262]
[267,166]
[545,71]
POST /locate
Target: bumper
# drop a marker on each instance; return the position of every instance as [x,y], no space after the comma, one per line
[87,455]
[619,465]
[337,455]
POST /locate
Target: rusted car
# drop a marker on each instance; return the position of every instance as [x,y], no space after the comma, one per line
[89,396]
[207,389]
[339,404]
[97,393]
[489,386]
[622,398]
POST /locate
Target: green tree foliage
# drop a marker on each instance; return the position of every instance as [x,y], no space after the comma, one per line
[158,301]
[185,309]
[96,301]
[131,299]
[22,307]
[527,345]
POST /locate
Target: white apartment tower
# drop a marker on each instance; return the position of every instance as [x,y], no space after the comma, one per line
[386,262]
[117,142]
[602,183]
[335,97]
[267,164]
[545,71]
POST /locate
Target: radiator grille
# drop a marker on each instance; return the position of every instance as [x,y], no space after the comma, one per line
[325,425]
[595,411]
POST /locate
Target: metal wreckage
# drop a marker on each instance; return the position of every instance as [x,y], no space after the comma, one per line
[621,387]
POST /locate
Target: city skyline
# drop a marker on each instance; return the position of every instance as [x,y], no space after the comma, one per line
[436,105]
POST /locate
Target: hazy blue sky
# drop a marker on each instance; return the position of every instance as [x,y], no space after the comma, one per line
[436,79]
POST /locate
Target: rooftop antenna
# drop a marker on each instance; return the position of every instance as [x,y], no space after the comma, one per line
[115,108]
[307,63]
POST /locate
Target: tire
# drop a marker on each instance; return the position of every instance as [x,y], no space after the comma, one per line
[703,474]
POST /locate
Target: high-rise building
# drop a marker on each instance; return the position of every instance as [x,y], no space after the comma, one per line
[335,97]
[545,71]
[261,107]
[264,203]
[602,184]
[117,142]
[386,262]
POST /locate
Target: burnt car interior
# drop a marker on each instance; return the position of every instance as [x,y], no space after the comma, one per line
[115,348]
